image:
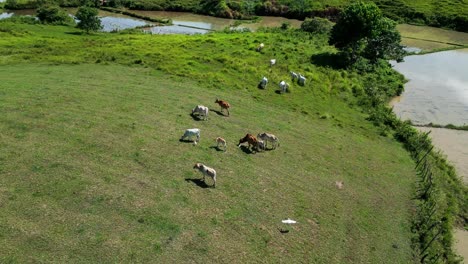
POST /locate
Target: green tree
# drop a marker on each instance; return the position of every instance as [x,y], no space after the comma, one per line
[317,25]
[88,19]
[362,31]
[53,14]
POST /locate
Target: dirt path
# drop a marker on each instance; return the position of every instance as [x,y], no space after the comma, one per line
[454,143]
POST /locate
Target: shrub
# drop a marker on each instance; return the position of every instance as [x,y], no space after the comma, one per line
[52,14]
[317,25]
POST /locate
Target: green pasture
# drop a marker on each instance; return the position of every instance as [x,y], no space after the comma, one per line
[92,170]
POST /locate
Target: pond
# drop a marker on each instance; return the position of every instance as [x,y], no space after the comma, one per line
[437,90]
[183,23]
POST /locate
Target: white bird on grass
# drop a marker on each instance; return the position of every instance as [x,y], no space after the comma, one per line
[289,221]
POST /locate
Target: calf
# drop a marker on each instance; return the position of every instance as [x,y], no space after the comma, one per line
[260,47]
[201,111]
[269,137]
[260,144]
[221,141]
[272,62]
[224,105]
[205,170]
[191,133]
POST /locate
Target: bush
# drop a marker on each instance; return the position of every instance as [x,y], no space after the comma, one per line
[51,14]
[317,25]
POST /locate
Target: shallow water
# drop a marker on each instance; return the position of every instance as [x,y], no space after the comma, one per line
[437,90]
[5,15]
[454,144]
[111,23]
[175,30]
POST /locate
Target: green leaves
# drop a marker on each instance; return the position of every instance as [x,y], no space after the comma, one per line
[88,19]
[362,31]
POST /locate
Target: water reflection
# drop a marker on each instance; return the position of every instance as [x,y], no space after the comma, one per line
[437,90]
[119,23]
[5,15]
[175,30]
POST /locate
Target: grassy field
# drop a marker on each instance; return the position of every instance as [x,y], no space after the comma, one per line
[93,170]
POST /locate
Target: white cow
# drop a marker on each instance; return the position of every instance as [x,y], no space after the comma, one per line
[283,86]
[263,82]
[301,80]
[260,47]
[206,171]
[294,75]
[272,62]
[269,137]
[192,132]
[201,111]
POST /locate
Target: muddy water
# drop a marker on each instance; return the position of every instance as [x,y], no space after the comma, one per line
[437,90]
[454,144]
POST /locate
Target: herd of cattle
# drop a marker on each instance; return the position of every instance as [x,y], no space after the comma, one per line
[258,143]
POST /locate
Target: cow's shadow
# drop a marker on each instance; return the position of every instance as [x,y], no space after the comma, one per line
[217,148]
[246,150]
[197,117]
[199,182]
[278,92]
[328,59]
[218,112]
[186,140]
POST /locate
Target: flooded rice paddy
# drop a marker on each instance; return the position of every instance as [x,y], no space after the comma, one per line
[437,90]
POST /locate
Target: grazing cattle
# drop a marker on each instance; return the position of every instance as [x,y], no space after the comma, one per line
[192,132]
[250,139]
[294,76]
[200,111]
[263,83]
[269,137]
[206,171]
[260,47]
[272,62]
[224,105]
[301,80]
[283,86]
[221,141]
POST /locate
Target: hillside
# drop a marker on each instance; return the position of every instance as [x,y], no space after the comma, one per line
[93,170]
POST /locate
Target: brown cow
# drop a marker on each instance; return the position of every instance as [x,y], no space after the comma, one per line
[249,138]
[223,104]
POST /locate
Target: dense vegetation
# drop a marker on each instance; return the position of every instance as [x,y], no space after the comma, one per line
[449,14]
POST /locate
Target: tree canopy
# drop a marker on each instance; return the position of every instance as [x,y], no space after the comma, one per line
[362,31]
[53,14]
[88,19]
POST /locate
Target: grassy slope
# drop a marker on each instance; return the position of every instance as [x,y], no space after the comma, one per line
[92,169]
